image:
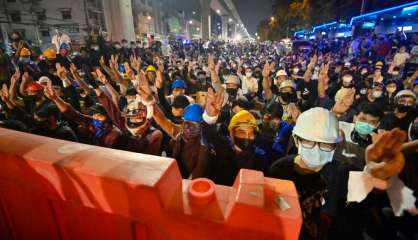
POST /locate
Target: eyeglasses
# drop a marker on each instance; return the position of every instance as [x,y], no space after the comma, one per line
[326,147]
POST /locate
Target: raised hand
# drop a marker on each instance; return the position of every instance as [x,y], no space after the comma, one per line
[15,77]
[266,70]
[214,102]
[102,78]
[4,93]
[211,63]
[143,88]
[160,65]
[384,158]
[136,62]
[50,92]
[345,102]
[113,62]
[129,71]
[61,71]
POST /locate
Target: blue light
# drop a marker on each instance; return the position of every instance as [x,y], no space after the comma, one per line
[383,11]
[323,25]
[301,32]
[410,10]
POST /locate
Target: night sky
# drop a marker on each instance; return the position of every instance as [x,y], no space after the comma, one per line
[252,12]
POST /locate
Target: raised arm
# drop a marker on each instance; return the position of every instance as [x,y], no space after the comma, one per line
[144,91]
[268,94]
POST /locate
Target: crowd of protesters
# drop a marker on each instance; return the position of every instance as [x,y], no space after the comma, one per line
[308,115]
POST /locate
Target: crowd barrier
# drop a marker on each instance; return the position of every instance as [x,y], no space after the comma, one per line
[54,189]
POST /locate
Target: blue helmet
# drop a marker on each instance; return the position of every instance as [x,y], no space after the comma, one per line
[193,113]
[178,84]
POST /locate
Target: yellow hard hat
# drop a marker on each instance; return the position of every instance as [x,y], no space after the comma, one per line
[150,68]
[242,118]
[24,52]
[50,53]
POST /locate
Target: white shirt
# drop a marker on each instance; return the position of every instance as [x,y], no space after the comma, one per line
[346,128]
[58,40]
[249,84]
[400,59]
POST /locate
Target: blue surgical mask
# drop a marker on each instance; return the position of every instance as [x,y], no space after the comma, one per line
[315,157]
[24,60]
[99,127]
[363,128]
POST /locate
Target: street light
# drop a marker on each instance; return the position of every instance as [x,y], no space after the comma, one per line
[149,17]
[191,22]
[272,19]
[218,11]
[230,20]
[194,13]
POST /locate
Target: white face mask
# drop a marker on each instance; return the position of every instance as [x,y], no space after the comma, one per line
[377,94]
[315,158]
[248,74]
[295,70]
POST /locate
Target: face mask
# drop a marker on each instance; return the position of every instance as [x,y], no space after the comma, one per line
[295,70]
[404,108]
[288,97]
[315,157]
[377,94]
[363,128]
[99,127]
[391,89]
[117,46]
[96,48]
[248,74]
[232,92]
[243,143]
[24,60]
[31,98]
[363,72]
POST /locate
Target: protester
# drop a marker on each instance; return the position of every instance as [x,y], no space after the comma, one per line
[311,116]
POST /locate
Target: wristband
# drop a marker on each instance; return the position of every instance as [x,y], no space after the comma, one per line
[209,119]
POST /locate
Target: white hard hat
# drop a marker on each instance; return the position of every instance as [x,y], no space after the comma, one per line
[405,93]
[43,80]
[281,72]
[287,83]
[318,125]
[231,79]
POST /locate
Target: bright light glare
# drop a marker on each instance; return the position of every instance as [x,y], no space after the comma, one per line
[237,37]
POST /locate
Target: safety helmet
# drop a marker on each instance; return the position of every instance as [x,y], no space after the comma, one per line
[50,54]
[281,72]
[150,68]
[242,118]
[405,93]
[34,87]
[24,52]
[43,80]
[193,113]
[287,83]
[318,125]
[178,84]
[231,79]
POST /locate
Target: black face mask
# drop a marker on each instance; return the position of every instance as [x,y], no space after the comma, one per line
[244,143]
[232,92]
[177,120]
[31,98]
[404,108]
[288,97]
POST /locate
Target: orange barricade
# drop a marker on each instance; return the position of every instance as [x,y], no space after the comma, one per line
[53,189]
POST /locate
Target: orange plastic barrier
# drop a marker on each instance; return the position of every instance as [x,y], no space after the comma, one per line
[53,189]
